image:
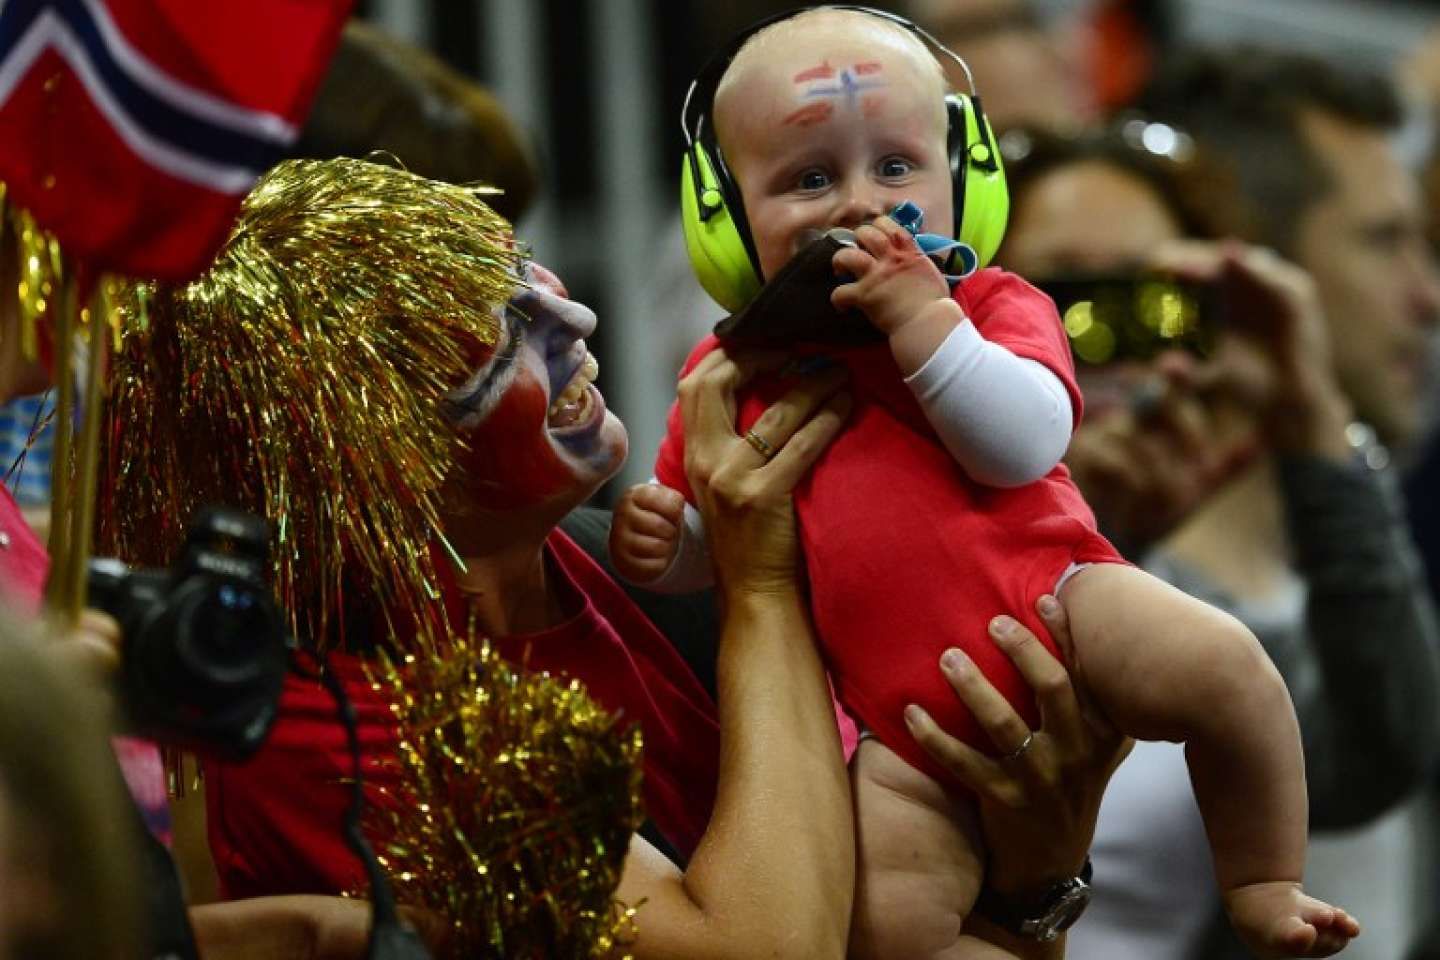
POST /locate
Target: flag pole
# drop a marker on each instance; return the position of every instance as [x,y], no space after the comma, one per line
[57,590]
[82,510]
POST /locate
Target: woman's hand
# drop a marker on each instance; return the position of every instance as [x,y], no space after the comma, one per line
[1151,450]
[89,649]
[1037,809]
[1160,438]
[743,485]
[1274,353]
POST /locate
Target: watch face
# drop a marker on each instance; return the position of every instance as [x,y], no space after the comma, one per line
[1070,901]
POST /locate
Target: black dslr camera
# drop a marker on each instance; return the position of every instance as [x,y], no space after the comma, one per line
[205,647]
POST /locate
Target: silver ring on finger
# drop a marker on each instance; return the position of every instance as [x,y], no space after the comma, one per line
[1019,751]
[761,446]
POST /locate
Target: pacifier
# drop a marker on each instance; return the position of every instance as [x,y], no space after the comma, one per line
[945,251]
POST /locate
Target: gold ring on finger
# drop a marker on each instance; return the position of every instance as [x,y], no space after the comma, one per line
[760,444]
[1019,751]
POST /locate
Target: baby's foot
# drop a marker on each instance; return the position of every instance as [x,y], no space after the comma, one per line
[1278,920]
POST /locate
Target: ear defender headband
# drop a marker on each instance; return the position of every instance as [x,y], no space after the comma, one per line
[717,233]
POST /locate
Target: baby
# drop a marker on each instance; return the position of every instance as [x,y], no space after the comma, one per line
[944,502]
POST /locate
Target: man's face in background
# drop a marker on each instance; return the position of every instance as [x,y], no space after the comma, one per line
[1365,244]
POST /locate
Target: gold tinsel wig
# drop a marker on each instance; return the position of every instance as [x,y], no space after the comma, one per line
[301,378]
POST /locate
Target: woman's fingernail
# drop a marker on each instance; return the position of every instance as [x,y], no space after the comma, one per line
[953,660]
[913,715]
[1049,606]
[1001,626]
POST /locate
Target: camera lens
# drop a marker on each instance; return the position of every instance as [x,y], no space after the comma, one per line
[223,634]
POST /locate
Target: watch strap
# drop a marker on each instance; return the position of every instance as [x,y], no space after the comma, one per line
[1020,914]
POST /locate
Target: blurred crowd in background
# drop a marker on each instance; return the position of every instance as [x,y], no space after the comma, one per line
[1285,153]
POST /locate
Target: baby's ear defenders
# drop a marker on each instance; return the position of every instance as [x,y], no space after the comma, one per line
[717,234]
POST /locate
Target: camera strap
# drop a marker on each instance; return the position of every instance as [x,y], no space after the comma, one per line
[390,939]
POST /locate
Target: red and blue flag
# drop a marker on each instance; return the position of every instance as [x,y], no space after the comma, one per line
[132,129]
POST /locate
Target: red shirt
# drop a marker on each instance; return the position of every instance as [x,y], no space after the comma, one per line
[905,554]
[275,822]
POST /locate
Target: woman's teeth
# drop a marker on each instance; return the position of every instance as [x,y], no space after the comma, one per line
[573,402]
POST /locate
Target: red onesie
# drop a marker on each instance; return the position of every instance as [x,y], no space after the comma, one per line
[906,555]
[275,822]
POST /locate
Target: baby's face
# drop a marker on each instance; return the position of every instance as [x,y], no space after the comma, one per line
[833,125]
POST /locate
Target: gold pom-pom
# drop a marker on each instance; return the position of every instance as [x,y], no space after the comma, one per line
[519,800]
[301,378]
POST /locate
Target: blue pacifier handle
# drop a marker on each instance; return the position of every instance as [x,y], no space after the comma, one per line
[908,214]
[945,250]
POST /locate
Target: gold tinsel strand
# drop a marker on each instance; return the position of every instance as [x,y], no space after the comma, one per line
[519,800]
[301,376]
[41,270]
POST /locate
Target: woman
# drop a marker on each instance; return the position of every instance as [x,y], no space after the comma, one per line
[758,800]
[1172,453]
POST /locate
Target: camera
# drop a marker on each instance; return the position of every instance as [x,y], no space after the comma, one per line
[1134,316]
[205,647]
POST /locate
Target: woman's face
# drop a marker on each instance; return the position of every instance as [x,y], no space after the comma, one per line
[536,428]
[1089,217]
[1086,217]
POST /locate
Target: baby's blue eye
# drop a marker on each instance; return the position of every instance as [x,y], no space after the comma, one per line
[896,167]
[814,180]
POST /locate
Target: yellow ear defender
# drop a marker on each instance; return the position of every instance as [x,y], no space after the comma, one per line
[717,233]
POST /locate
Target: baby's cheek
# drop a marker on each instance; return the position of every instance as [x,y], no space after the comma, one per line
[509,461]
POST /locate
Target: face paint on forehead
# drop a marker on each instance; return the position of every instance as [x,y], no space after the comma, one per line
[822,71]
[809,115]
[827,86]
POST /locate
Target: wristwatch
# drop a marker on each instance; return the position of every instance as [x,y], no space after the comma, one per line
[1042,917]
[1368,450]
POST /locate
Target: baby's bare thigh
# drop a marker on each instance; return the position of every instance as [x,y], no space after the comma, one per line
[920,859]
[1154,658]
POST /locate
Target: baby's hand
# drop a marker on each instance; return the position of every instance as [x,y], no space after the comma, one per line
[894,281]
[1278,920]
[645,532]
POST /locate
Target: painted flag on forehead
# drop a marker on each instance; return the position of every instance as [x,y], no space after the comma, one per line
[132,129]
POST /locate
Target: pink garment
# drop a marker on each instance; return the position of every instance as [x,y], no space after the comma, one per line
[24,565]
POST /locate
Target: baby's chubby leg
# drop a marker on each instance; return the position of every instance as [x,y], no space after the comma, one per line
[1165,666]
[920,864]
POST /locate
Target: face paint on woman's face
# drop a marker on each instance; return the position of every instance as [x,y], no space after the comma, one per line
[536,427]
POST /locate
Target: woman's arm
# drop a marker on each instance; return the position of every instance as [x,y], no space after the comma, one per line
[282,928]
[774,874]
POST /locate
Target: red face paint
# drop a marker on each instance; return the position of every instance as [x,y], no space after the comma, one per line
[808,116]
[822,72]
[509,461]
[868,67]
[872,106]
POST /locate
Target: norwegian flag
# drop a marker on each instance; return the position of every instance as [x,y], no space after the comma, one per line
[132,129]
